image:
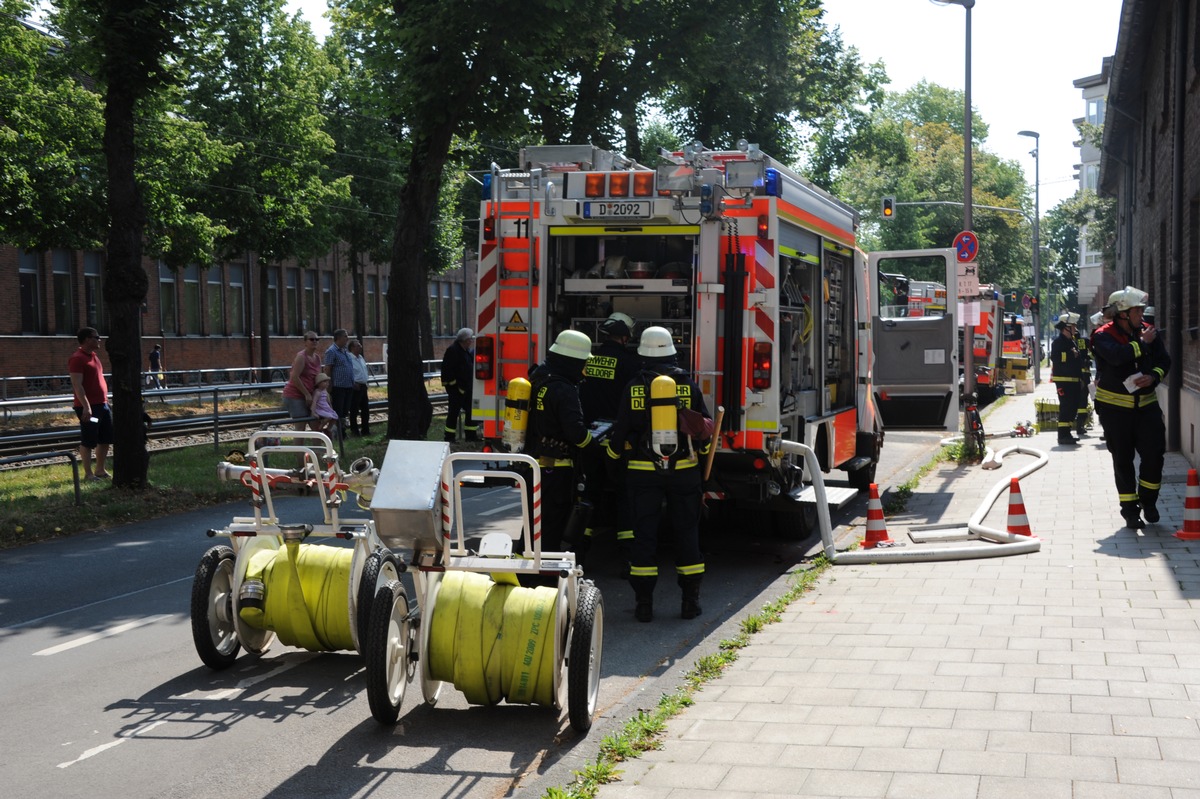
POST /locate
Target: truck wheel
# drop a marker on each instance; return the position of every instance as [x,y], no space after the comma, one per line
[862,478]
[213,631]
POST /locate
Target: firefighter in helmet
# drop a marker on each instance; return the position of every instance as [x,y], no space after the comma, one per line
[458,378]
[1066,364]
[608,371]
[1130,362]
[558,436]
[662,426]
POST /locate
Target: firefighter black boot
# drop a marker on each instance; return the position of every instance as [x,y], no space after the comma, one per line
[1149,501]
[690,583]
[643,592]
[1131,512]
[451,437]
[1065,438]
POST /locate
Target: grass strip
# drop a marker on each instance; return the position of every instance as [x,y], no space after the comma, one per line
[645,730]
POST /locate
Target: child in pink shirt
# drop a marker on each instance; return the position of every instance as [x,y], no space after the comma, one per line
[321,408]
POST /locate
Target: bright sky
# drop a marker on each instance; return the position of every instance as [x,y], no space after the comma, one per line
[1025,55]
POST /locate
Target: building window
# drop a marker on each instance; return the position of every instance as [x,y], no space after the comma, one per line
[1095,111]
[167,301]
[435,327]
[293,302]
[237,300]
[372,305]
[64,294]
[31,318]
[93,290]
[457,288]
[327,301]
[310,300]
[216,308]
[448,327]
[1091,177]
[385,304]
[191,300]
[272,300]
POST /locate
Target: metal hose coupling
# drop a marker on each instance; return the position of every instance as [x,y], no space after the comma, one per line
[253,594]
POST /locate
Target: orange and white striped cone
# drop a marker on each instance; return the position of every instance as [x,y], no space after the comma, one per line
[1191,509]
[1018,522]
[876,529]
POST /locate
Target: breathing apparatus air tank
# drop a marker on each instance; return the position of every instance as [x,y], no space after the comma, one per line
[664,435]
[516,413]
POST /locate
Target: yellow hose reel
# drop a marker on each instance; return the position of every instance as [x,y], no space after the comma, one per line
[481,631]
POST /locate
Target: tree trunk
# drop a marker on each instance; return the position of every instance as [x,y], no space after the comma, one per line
[125,285]
[408,401]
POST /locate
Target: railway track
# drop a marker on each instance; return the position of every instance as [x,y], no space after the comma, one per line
[171,432]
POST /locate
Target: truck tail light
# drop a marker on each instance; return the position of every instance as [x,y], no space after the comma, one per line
[763,227]
[643,184]
[485,357]
[618,184]
[760,376]
[489,228]
[593,184]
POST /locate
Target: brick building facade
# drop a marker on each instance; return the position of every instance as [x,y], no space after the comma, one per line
[203,318]
[1151,165]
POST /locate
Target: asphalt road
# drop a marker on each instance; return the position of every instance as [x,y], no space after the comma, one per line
[103,693]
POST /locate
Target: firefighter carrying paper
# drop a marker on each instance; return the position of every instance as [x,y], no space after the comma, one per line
[662,426]
[558,436]
[1130,362]
[608,371]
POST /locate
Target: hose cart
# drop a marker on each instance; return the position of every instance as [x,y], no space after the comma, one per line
[268,583]
[480,630]
[496,624]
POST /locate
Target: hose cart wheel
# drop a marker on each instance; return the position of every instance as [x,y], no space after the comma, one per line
[380,568]
[583,667]
[213,628]
[387,651]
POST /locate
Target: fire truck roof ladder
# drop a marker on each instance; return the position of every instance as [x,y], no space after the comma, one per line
[512,184]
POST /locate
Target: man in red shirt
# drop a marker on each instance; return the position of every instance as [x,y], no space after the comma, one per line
[91,403]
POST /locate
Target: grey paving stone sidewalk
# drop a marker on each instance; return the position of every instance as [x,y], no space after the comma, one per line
[1072,672]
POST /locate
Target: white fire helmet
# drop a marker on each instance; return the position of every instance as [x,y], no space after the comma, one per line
[656,342]
[1128,297]
[572,344]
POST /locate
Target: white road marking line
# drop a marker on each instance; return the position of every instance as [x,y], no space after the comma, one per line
[111,631]
[95,750]
[500,509]
[189,578]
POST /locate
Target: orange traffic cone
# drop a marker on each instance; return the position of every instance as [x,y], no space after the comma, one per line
[876,530]
[1191,509]
[1018,522]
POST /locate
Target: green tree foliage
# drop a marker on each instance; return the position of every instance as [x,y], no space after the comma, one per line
[53,182]
[258,79]
[914,151]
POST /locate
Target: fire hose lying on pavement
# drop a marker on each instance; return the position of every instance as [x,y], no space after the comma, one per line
[479,629]
[999,542]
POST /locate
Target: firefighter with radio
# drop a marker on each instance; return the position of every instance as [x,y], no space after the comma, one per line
[458,378]
[608,371]
[557,434]
[1066,364]
[1130,362]
[662,427]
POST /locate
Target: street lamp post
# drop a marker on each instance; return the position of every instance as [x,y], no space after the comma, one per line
[1037,254]
[968,196]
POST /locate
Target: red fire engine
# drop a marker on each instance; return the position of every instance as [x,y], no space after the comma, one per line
[752,268]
